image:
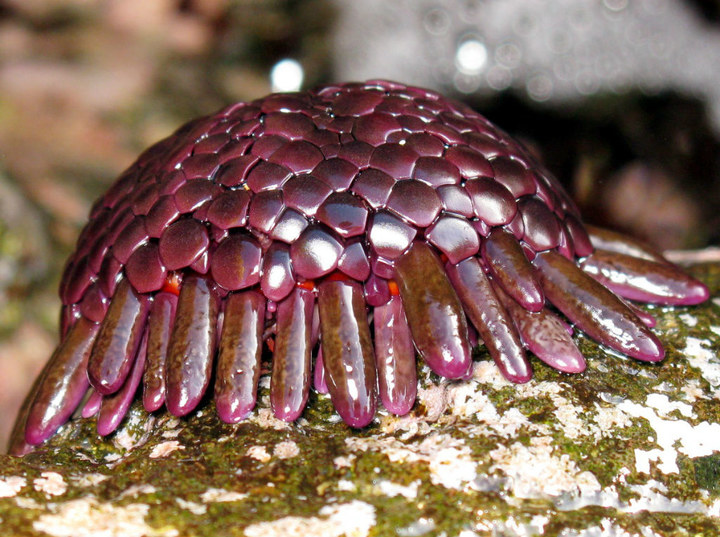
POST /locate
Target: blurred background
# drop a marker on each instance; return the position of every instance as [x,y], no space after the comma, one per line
[621,99]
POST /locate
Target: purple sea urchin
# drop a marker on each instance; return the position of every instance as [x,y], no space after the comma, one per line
[351,225]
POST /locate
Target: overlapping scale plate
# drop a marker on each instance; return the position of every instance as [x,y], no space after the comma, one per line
[283,224]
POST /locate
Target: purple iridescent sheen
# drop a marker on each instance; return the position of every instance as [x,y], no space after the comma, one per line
[344,227]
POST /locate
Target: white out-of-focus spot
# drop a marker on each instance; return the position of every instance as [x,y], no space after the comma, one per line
[471,56]
[286,75]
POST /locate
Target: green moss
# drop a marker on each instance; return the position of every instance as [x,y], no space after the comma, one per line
[328,470]
[707,473]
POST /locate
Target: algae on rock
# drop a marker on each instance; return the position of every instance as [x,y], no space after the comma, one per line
[625,448]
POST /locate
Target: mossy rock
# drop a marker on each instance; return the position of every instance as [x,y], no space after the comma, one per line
[625,448]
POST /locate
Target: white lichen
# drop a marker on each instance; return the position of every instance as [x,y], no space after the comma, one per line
[343,461]
[258,453]
[212,495]
[609,419]
[486,372]
[354,519]
[433,398]
[607,528]
[694,440]
[452,467]
[567,415]
[194,507]
[536,472]
[449,459]
[264,418]
[652,496]
[664,406]
[512,526]
[466,400]
[693,391]
[137,490]
[703,359]
[164,449]
[134,432]
[87,517]
[714,509]
[286,450]
[389,488]
[23,502]
[346,485]
[51,484]
[90,480]
[11,485]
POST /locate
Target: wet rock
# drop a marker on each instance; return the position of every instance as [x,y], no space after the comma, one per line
[624,448]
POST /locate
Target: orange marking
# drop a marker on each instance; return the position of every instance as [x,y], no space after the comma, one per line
[172,283]
[307,284]
[337,276]
[270,342]
[393,286]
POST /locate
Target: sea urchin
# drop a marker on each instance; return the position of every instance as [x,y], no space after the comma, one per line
[352,225]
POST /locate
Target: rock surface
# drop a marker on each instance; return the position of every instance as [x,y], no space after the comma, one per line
[625,449]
